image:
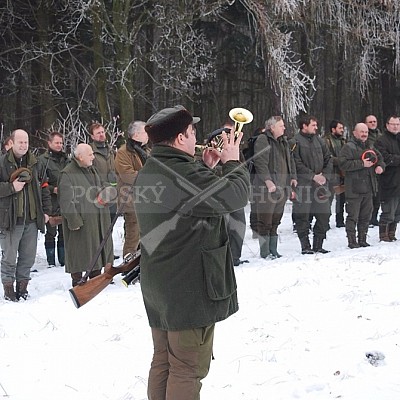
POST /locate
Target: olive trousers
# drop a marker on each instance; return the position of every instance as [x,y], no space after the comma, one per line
[131,240]
[181,360]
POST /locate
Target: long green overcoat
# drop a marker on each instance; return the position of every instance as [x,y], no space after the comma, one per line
[187,275]
[85,222]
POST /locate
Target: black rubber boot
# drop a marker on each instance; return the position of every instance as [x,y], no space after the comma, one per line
[305,245]
[351,238]
[264,246]
[61,253]
[50,253]
[317,245]
[273,244]
[362,239]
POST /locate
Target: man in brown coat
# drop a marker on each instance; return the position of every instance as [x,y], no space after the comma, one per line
[129,160]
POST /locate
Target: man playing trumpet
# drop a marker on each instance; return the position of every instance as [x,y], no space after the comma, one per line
[187,275]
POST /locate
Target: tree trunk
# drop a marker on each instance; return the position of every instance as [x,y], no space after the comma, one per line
[46,104]
[123,62]
[98,61]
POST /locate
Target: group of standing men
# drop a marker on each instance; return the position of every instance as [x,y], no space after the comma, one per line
[187,269]
[362,172]
[61,197]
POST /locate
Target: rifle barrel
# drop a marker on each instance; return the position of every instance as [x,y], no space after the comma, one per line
[132,276]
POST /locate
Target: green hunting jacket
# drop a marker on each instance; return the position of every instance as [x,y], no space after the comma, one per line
[9,198]
[187,275]
[50,164]
[273,161]
[104,162]
[358,180]
[335,144]
[312,156]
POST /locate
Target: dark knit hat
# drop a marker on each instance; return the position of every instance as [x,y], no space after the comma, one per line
[168,122]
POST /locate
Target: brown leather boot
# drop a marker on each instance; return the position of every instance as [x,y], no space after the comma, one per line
[9,293]
[76,277]
[94,273]
[392,231]
[21,291]
[384,233]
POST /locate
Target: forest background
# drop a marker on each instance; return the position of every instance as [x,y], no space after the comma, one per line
[66,63]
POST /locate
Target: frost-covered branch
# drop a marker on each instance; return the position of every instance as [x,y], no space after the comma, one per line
[286,72]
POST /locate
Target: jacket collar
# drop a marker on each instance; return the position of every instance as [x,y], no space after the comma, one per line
[28,157]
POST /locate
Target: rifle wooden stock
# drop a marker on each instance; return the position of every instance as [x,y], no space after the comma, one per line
[87,290]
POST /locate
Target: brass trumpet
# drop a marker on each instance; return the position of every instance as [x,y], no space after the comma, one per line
[239,116]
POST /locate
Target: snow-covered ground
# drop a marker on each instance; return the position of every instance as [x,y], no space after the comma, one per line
[305,325]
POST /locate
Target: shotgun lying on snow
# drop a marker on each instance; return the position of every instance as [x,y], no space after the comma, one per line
[86,290]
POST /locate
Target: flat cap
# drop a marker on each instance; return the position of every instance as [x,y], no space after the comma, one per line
[168,123]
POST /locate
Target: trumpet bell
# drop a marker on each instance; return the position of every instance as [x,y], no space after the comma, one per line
[240,116]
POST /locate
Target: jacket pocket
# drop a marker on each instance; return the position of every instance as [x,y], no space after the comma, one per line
[4,219]
[360,186]
[218,273]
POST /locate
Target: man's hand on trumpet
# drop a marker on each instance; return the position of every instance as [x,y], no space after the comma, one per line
[230,149]
[229,152]
[211,156]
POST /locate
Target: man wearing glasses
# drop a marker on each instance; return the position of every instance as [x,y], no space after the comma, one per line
[373,134]
[373,130]
[389,183]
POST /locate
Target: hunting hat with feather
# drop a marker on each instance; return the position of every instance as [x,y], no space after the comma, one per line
[168,122]
[370,155]
[22,175]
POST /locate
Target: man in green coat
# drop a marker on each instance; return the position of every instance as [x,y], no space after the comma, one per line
[51,163]
[187,276]
[275,176]
[24,209]
[335,141]
[85,220]
[361,164]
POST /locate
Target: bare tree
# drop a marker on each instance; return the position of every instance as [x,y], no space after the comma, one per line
[97,60]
